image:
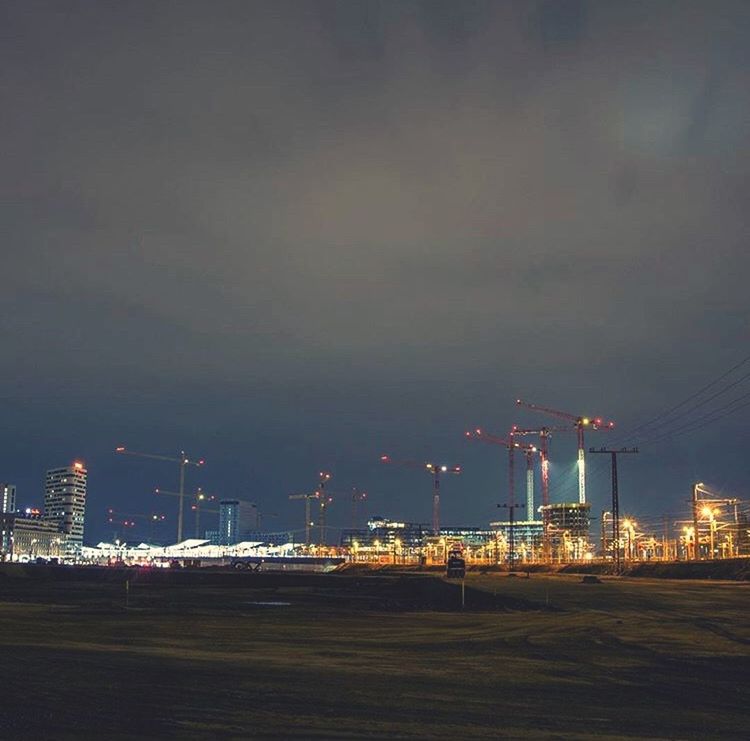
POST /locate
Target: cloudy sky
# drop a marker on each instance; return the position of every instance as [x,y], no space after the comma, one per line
[289,236]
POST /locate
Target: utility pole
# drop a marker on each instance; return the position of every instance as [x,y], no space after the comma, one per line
[184,461]
[603,532]
[696,546]
[615,501]
[511,530]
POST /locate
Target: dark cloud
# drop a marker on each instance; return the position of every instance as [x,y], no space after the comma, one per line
[293,234]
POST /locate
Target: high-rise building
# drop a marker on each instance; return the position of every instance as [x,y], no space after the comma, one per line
[236,520]
[7,498]
[7,508]
[65,501]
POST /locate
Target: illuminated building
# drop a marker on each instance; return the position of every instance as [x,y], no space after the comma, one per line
[527,538]
[411,537]
[236,520]
[7,498]
[27,536]
[569,524]
[386,532]
[65,501]
[7,506]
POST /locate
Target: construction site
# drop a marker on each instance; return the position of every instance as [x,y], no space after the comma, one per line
[530,529]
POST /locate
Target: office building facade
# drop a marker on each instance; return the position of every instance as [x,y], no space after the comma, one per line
[27,537]
[7,508]
[65,501]
[527,536]
[237,519]
[7,498]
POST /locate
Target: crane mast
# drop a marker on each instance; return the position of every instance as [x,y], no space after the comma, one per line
[357,496]
[183,461]
[323,501]
[512,445]
[198,498]
[579,424]
[308,524]
[544,434]
[435,470]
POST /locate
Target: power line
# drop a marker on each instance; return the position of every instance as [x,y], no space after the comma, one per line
[703,421]
[690,398]
[705,401]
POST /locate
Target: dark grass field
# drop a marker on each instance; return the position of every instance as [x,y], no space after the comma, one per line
[193,655]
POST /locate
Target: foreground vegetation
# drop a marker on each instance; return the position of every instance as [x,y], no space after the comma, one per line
[544,657]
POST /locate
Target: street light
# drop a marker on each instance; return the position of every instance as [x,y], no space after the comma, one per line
[689,540]
[630,526]
[710,513]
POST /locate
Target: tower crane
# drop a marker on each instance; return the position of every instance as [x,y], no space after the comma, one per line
[436,470]
[512,445]
[579,423]
[197,506]
[544,434]
[129,520]
[113,518]
[323,499]
[308,523]
[183,461]
[357,497]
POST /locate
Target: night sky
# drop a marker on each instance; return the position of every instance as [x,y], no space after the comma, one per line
[292,236]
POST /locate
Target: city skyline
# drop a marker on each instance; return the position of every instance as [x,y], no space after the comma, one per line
[685,410]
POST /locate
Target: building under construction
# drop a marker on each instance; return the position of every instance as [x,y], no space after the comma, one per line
[568,530]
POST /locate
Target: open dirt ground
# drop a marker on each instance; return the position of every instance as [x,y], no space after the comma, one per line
[340,656]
